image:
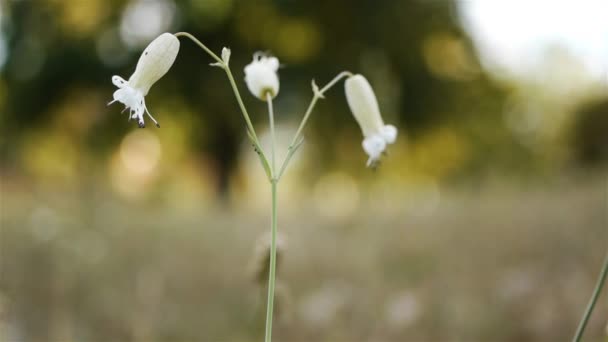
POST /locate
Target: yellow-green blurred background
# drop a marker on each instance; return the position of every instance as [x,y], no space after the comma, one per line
[487,221]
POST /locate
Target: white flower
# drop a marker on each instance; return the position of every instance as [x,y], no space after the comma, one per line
[154,62]
[261,76]
[364,106]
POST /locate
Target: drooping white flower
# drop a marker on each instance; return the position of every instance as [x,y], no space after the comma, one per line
[261,76]
[153,64]
[364,106]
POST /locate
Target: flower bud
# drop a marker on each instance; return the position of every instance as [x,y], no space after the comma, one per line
[226,55]
[364,106]
[153,64]
[261,76]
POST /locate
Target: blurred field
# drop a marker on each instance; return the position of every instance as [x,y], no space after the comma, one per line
[496,264]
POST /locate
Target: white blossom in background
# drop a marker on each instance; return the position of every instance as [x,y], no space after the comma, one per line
[364,106]
[261,76]
[153,64]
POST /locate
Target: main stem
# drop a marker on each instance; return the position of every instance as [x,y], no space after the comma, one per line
[273,224]
[596,294]
[273,263]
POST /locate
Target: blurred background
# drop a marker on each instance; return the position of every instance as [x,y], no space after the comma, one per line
[486,222]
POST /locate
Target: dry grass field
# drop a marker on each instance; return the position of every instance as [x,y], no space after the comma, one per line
[495,264]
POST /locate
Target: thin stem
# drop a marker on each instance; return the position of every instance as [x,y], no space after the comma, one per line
[596,293]
[272,134]
[200,44]
[316,95]
[335,80]
[273,262]
[311,106]
[235,89]
[221,63]
[226,68]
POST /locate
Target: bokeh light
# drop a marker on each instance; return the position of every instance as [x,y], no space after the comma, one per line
[136,163]
[110,48]
[29,58]
[580,27]
[143,20]
[82,18]
[336,195]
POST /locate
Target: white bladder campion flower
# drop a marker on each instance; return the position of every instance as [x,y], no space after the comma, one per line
[154,62]
[364,106]
[261,76]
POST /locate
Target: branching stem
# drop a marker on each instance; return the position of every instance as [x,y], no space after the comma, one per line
[296,141]
[219,62]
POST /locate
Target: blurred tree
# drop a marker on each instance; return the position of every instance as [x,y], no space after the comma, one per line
[414,52]
[590,139]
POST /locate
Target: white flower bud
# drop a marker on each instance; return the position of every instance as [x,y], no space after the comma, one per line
[364,106]
[261,76]
[153,64]
[226,55]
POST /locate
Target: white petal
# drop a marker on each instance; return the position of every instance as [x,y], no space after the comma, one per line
[374,146]
[154,62]
[119,81]
[389,133]
[363,104]
[134,101]
[272,63]
[128,96]
[261,76]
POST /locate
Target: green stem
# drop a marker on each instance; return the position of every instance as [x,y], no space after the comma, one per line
[235,89]
[273,263]
[272,135]
[316,95]
[273,225]
[200,44]
[312,104]
[596,293]
[335,80]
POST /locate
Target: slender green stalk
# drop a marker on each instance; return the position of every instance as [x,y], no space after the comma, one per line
[311,106]
[335,80]
[200,44]
[273,262]
[273,225]
[315,97]
[272,134]
[235,89]
[596,293]
[317,94]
